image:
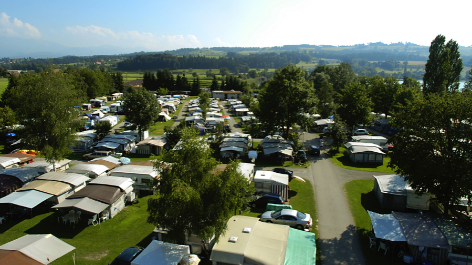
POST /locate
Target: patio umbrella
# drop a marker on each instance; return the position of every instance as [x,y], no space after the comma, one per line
[225,116]
[125,160]
[10,134]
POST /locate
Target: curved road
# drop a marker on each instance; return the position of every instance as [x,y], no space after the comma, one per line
[338,239]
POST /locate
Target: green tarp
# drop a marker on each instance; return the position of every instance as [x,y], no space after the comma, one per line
[276,207]
[301,248]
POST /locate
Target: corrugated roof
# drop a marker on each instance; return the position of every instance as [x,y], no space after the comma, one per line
[23,174]
[85,204]
[80,168]
[362,149]
[46,165]
[23,157]
[48,186]
[102,193]
[121,182]
[8,161]
[136,169]
[70,178]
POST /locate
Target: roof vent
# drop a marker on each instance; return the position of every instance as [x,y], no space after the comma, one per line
[233,239]
[246,230]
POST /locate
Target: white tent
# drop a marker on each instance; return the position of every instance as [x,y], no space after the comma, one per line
[43,248]
[386,226]
[161,253]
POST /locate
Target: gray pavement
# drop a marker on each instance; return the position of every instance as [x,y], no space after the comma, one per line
[339,242]
[232,122]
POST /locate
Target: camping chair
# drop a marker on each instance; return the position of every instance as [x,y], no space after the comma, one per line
[383,246]
[77,215]
[65,219]
[91,221]
[373,243]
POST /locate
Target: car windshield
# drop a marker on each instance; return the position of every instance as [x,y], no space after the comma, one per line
[301,215]
[276,214]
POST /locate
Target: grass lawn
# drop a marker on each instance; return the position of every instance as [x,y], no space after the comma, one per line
[94,244]
[3,84]
[361,197]
[343,161]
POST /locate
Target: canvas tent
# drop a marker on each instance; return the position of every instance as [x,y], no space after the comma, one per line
[43,248]
[161,253]
[263,243]
[394,193]
[421,232]
[365,154]
[271,182]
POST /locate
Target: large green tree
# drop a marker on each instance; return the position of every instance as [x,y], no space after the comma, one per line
[204,103]
[44,103]
[443,68]
[141,108]
[285,100]
[192,196]
[432,146]
[354,105]
[325,105]
[383,92]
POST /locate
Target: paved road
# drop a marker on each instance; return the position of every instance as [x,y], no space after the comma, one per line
[232,122]
[339,243]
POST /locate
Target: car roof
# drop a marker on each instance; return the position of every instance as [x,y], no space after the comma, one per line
[288,212]
[129,253]
[271,195]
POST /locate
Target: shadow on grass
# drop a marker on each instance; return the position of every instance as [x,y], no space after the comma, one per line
[53,224]
[146,241]
[369,202]
[292,193]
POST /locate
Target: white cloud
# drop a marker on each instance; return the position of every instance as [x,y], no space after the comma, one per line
[17,28]
[222,43]
[148,40]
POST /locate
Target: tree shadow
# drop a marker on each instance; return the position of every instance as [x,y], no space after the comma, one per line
[369,202]
[292,193]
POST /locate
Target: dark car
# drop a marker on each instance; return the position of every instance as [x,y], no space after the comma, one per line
[301,156]
[227,128]
[128,255]
[284,171]
[262,201]
[314,150]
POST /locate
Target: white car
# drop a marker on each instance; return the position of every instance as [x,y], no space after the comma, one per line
[361,132]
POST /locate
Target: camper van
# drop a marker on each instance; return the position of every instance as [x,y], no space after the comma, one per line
[378,140]
[97,102]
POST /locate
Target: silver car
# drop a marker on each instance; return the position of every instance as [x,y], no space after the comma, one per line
[289,217]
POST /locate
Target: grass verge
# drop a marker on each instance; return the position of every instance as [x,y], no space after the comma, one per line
[341,160]
[94,244]
[360,196]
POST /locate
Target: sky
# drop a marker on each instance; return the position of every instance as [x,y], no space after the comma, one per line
[167,25]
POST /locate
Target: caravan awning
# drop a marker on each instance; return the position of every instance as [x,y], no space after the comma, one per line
[158,252]
[420,230]
[47,186]
[43,248]
[85,204]
[109,145]
[386,226]
[27,199]
[232,148]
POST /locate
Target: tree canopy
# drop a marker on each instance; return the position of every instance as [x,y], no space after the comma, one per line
[433,143]
[354,105]
[193,194]
[285,100]
[443,68]
[141,108]
[44,103]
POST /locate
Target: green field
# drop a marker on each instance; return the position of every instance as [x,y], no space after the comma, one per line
[3,84]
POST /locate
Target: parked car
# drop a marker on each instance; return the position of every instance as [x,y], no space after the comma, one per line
[361,132]
[289,217]
[127,256]
[390,147]
[262,201]
[227,128]
[314,150]
[301,156]
[284,171]
[97,154]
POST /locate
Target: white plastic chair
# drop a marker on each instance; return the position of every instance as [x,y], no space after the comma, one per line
[77,215]
[373,243]
[383,246]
